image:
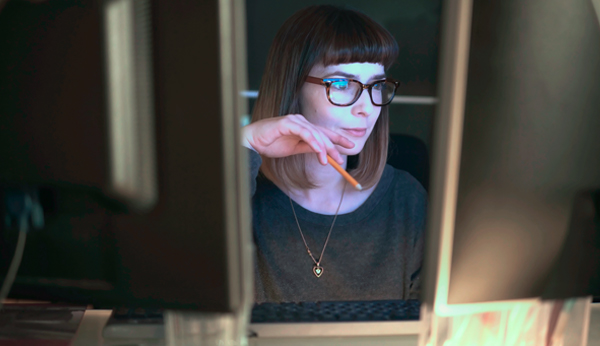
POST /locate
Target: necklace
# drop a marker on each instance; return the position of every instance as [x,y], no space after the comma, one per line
[317,269]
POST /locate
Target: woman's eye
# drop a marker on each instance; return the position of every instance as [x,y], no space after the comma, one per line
[341,85]
[378,86]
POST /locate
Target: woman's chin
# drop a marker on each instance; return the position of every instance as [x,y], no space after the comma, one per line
[351,152]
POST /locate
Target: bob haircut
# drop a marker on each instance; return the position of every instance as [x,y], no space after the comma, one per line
[328,35]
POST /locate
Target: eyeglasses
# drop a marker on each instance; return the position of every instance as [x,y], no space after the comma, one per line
[345,92]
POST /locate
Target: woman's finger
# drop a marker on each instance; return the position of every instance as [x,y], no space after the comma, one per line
[338,139]
[307,135]
[330,148]
[322,138]
[334,152]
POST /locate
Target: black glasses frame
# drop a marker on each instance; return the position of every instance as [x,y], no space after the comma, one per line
[327,82]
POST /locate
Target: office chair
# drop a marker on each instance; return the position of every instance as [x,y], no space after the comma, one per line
[409,154]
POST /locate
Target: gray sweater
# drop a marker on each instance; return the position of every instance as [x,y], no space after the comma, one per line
[374,252]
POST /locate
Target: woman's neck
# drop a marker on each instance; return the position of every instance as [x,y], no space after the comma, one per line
[325,198]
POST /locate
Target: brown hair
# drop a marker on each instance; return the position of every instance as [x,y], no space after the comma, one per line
[329,35]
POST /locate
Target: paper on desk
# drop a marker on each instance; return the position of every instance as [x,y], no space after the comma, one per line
[39,323]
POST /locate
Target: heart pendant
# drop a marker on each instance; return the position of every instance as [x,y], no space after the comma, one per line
[318,270]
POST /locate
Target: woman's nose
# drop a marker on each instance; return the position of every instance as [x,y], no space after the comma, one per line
[363,106]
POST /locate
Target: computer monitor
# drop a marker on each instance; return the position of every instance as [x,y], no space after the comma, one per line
[124,116]
[515,190]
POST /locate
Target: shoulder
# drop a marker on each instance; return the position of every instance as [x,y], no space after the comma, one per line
[267,193]
[408,203]
[406,190]
[254,157]
[402,181]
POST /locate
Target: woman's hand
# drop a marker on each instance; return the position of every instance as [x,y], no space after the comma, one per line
[293,134]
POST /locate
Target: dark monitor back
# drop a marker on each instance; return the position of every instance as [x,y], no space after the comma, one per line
[517,174]
[183,249]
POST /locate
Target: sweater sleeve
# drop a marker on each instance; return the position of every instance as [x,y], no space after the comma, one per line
[414,290]
[255,162]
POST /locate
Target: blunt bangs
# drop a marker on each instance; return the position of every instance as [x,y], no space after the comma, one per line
[346,36]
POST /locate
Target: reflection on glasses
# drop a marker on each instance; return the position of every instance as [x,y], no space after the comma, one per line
[344,91]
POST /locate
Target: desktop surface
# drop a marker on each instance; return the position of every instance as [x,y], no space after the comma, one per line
[290,319]
[92,325]
[90,333]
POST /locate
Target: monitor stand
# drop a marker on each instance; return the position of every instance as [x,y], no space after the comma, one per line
[203,328]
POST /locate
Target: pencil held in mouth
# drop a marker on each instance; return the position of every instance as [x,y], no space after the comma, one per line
[344,174]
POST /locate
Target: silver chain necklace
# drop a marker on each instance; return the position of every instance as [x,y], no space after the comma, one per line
[317,269]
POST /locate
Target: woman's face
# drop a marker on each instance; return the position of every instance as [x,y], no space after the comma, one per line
[354,122]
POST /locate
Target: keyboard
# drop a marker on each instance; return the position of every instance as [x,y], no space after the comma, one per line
[268,318]
[348,311]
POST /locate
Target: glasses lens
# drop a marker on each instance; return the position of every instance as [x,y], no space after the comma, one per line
[383,92]
[343,91]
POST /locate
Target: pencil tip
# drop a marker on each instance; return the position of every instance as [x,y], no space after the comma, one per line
[358,187]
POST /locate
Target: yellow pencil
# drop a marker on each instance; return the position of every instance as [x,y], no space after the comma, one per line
[344,174]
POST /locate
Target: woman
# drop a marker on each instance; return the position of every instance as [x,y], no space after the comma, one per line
[324,92]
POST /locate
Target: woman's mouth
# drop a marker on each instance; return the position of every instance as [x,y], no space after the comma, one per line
[357,131]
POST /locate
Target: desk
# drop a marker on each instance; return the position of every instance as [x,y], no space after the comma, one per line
[90,333]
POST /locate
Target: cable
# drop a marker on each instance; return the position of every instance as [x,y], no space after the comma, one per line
[16,261]
[24,207]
